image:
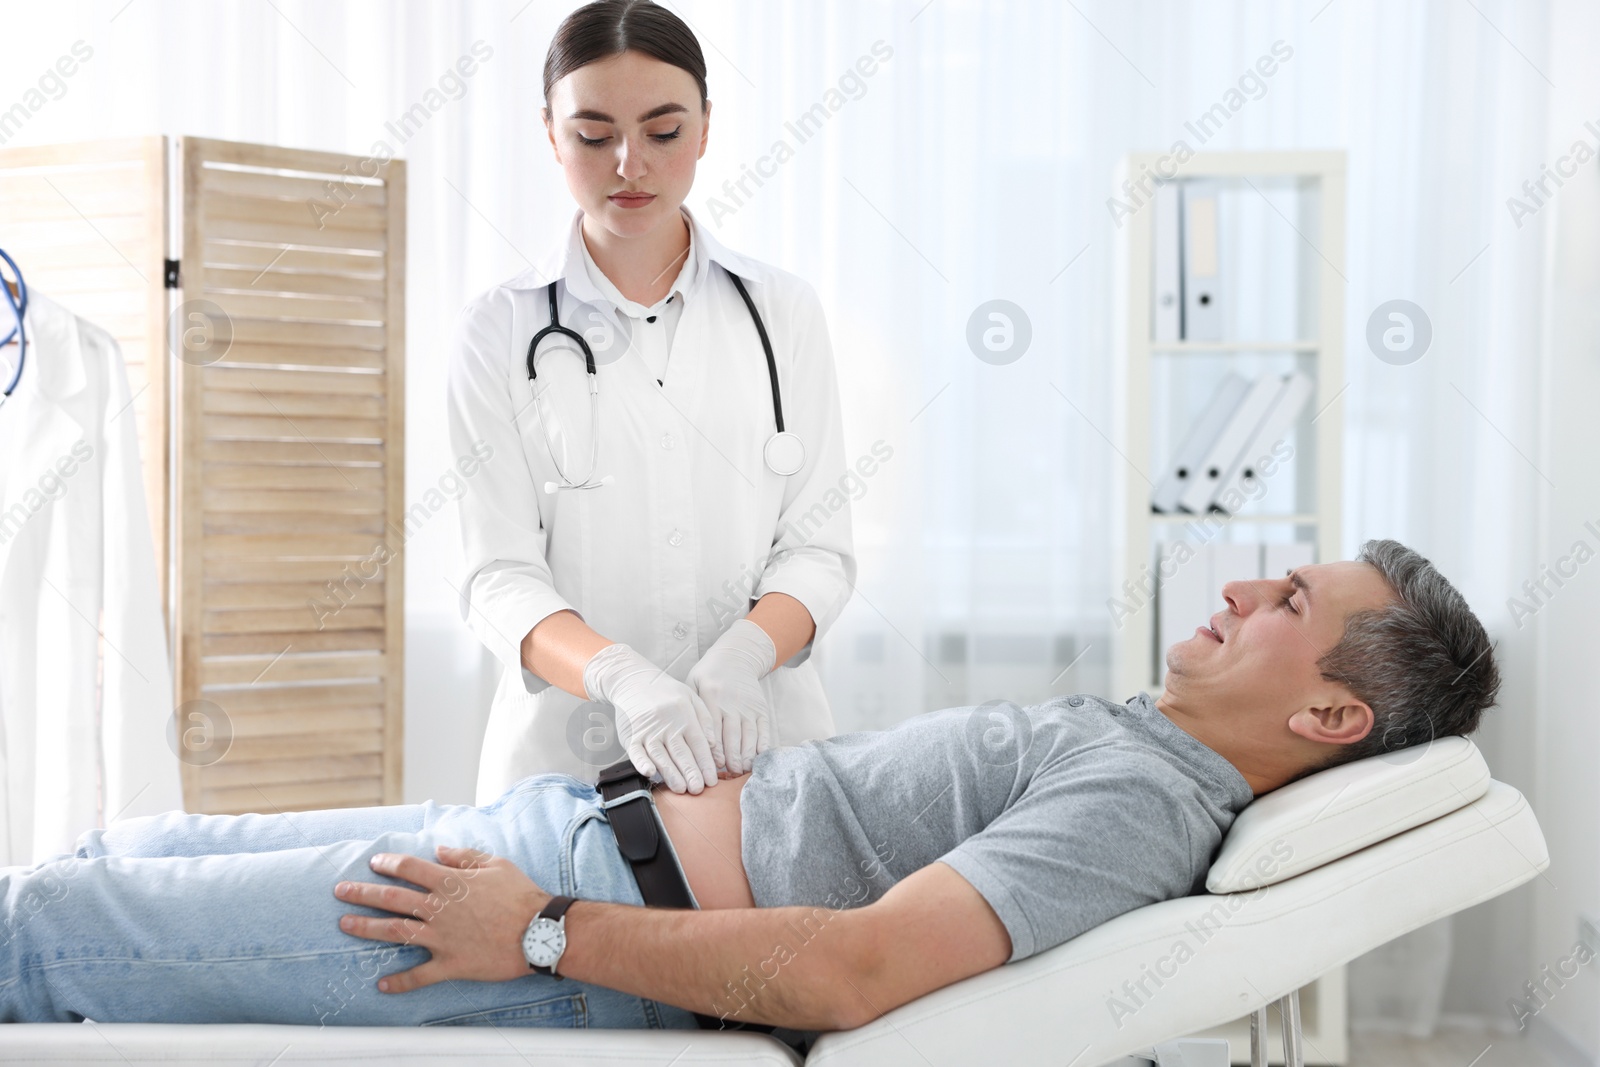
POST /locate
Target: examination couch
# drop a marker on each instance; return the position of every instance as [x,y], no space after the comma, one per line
[1310,876]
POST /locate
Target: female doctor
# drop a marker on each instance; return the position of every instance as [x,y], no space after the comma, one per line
[646,553]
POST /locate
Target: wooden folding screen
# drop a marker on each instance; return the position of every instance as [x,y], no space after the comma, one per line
[268,357]
[289,466]
[87,225]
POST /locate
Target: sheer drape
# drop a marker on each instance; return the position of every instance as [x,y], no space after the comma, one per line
[935,156]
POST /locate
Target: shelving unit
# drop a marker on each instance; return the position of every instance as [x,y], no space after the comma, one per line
[1305,504]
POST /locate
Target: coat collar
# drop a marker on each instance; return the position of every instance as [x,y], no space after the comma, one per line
[566,262]
[55,349]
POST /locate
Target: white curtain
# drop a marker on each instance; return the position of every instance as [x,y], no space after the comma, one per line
[972,163]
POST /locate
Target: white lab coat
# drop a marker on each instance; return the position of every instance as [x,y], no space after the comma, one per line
[83,721]
[693,530]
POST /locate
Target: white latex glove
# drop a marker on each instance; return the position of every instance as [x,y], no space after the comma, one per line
[665,726]
[728,678]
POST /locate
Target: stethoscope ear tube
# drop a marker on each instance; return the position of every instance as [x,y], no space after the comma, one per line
[784,452]
[766,346]
[19,307]
[556,327]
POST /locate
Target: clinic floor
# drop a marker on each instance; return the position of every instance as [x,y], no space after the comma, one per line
[1451,1046]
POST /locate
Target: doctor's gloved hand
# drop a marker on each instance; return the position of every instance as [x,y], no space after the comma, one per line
[663,724]
[728,678]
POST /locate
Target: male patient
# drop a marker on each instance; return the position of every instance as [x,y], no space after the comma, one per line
[837,880]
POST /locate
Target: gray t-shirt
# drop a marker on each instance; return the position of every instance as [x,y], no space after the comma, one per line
[1062,815]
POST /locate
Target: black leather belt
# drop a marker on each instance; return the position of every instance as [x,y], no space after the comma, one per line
[626,793]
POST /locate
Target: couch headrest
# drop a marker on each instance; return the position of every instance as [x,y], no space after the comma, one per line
[1330,814]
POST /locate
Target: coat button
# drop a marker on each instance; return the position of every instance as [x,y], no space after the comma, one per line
[680,631]
[1076,702]
[668,441]
[676,539]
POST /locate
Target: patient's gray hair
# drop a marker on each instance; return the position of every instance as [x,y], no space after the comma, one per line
[1422,663]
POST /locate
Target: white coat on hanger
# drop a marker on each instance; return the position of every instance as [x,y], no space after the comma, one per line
[83,722]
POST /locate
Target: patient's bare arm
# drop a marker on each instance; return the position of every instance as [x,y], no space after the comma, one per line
[806,968]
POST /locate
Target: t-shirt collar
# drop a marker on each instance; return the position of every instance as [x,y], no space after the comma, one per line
[1193,751]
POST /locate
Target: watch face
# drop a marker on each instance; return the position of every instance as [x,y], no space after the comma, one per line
[544,942]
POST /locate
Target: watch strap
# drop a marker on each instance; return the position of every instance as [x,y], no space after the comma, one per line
[555,907]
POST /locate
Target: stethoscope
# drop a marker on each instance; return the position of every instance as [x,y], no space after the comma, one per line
[19,305]
[784,453]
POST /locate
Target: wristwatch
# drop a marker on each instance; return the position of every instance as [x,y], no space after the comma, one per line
[546,937]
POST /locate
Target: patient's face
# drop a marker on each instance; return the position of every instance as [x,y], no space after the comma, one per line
[1270,636]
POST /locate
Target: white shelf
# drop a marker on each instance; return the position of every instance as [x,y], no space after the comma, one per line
[1225,347]
[1318,320]
[1299,518]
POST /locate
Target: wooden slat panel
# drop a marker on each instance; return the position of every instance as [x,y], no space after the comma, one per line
[296,452]
[318,501]
[291,476]
[329,356]
[95,193]
[292,640]
[220,572]
[291,667]
[289,306]
[69,281]
[295,235]
[305,746]
[278,279]
[306,428]
[290,525]
[111,151]
[224,378]
[66,251]
[295,699]
[314,720]
[126,233]
[260,257]
[241,595]
[293,491]
[290,620]
[278,546]
[310,796]
[318,216]
[286,186]
[314,334]
[256,402]
[230,772]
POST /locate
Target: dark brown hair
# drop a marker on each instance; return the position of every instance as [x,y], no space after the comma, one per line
[609,28]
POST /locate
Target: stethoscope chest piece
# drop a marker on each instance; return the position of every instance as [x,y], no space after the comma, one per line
[785,454]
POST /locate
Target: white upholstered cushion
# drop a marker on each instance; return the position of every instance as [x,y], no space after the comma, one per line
[1332,813]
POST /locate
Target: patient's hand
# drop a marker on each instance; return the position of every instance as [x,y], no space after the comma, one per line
[471,920]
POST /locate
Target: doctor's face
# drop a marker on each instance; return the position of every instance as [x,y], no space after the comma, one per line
[628,124]
[1259,654]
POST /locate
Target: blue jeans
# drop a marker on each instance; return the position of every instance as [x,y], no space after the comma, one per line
[181,918]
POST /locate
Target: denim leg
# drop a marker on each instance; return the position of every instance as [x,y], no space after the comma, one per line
[254,937]
[177,833]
